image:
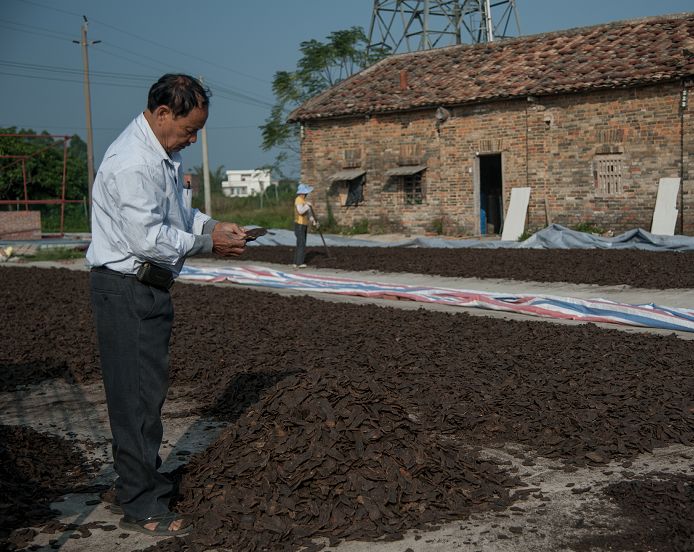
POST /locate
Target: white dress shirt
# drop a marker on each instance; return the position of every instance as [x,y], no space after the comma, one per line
[139,208]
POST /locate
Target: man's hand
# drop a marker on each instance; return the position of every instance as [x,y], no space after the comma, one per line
[233,228]
[228,239]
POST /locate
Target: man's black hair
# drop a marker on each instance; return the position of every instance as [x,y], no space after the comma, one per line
[180,93]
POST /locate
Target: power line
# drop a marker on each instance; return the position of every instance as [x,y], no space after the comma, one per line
[179,52]
[169,48]
[227,96]
[137,55]
[231,127]
[57,69]
[15,125]
[234,91]
[18,24]
[104,50]
[68,80]
[231,93]
[56,37]
[51,8]
[218,89]
[61,127]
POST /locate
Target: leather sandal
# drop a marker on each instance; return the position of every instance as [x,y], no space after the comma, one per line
[116,508]
[111,500]
[161,529]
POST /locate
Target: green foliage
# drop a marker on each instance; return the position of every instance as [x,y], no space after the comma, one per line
[55,254]
[525,235]
[75,218]
[589,228]
[436,226]
[44,166]
[276,210]
[330,221]
[384,225]
[322,65]
[217,176]
[359,227]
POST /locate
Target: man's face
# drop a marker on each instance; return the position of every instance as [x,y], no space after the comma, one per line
[176,133]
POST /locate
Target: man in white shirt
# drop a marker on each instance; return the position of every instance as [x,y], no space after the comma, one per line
[143,229]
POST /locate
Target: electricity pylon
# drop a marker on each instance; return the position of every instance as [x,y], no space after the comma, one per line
[411,25]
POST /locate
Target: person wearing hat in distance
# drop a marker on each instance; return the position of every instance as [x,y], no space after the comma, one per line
[303,215]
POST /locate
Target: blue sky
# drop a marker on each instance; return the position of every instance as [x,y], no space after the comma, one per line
[235,45]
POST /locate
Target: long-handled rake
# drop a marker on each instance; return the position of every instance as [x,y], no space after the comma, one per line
[327,251]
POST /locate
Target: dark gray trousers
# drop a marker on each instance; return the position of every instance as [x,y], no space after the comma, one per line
[300,231]
[133,324]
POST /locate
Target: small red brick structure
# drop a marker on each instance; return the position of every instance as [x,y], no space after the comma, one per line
[590,119]
[20,225]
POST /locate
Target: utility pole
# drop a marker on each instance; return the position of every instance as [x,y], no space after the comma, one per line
[88,111]
[206,169]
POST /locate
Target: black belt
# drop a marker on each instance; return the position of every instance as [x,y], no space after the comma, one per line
[150,275]
[104,270]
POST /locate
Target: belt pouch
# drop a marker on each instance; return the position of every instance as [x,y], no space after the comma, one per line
[154,275]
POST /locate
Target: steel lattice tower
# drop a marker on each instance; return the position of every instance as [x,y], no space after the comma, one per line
[410,25]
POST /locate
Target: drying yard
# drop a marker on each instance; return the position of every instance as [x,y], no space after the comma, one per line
[299,423]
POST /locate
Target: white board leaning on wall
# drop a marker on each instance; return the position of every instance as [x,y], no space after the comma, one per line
[514,223]
[665,212]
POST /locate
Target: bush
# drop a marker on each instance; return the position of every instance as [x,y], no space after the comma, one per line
[359,227]
[383,225]
[436,226]
[277,208]
[588,228]
[76,219]
[525,235]
[55,254]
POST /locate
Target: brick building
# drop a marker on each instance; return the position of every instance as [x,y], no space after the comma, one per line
[590,119]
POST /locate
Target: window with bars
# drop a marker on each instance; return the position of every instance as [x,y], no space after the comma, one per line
[412,188]
[608,169]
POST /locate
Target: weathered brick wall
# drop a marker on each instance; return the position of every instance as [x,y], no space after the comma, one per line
[548,144]
[20,225]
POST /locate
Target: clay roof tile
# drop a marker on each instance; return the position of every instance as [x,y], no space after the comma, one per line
[626,53]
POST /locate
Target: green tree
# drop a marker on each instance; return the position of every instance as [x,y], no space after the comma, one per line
[43,165]
[77,167]
[322,65]
[217,176]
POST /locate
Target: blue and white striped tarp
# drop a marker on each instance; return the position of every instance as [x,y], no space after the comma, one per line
[586,310]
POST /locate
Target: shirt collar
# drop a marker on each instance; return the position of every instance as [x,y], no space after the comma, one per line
[143,123]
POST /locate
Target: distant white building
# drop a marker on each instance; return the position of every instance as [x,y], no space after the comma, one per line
[246,182]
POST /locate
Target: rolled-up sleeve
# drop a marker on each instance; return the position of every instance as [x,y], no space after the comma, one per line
[199,222]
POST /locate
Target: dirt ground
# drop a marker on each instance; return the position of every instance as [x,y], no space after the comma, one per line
[305,423]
